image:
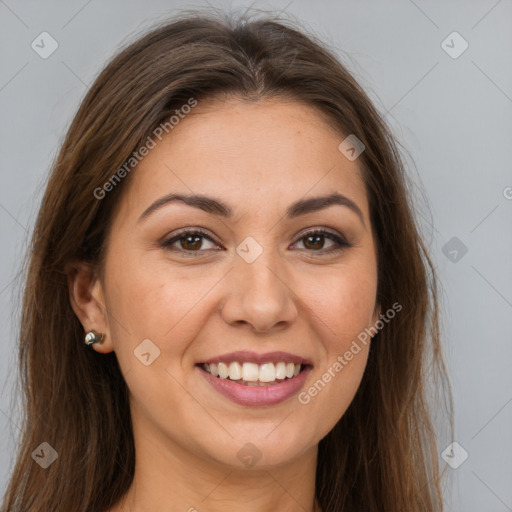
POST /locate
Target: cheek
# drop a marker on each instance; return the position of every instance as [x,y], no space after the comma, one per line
[148,300]
[342,301]
[343,312]
[341,308]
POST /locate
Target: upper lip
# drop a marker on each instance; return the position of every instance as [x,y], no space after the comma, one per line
[245,356]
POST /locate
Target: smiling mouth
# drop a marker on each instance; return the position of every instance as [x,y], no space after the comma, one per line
[252,374]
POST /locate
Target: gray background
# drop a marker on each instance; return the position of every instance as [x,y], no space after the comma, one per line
[452,115]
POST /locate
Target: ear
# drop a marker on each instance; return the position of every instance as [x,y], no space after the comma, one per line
[87,300]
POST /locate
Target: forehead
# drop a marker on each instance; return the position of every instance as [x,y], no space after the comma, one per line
[253,154]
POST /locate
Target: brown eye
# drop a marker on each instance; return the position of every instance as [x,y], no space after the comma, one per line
[189,242]
[315,241]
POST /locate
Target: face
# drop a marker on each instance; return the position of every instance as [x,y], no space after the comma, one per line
[253,287]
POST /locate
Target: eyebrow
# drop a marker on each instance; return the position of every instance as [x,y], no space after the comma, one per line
[216,207]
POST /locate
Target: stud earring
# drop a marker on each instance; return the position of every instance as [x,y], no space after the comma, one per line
[93,337]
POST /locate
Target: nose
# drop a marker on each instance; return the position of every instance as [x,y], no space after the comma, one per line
[259,295]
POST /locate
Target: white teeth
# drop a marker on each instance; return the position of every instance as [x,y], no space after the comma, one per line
[235,371]
[280,370]
[252,373]
[268,372]
[223,371]
[214,369]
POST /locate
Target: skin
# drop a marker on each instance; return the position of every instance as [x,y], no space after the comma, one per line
[258,157]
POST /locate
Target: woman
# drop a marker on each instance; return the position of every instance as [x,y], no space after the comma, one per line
[228,303]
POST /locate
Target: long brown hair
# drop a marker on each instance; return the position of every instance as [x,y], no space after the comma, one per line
[382,454]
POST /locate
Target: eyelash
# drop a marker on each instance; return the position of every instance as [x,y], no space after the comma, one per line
[341,243]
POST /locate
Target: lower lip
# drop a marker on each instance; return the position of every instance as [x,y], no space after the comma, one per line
[257,395]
